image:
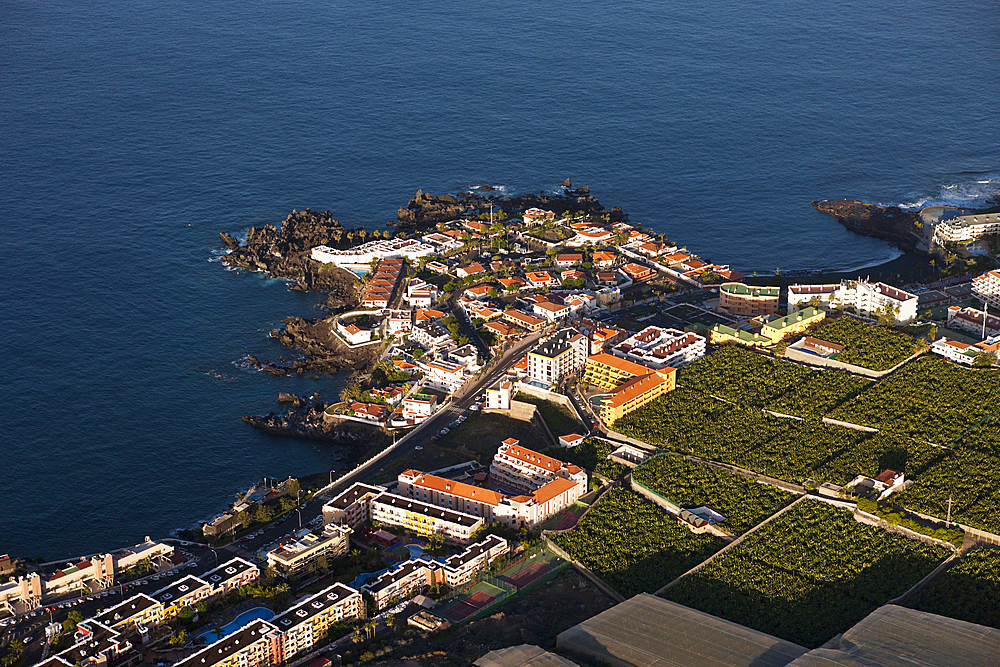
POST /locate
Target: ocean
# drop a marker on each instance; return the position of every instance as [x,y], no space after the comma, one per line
[131,134]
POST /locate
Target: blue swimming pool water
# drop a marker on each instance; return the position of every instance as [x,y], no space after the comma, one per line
[238,622]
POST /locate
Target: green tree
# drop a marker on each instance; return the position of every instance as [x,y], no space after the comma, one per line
[984,360]
[179,639]
[185,613]
[244,518]
[263,513]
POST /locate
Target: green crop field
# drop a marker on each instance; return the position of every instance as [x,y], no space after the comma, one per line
[878,348]
[633,545]
[753,380]
[789,449]
[808,575]
[929,398]
[968,591]
[742,500]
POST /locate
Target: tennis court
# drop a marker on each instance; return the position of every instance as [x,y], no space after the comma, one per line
[528,570]
[471,601]
[569,520]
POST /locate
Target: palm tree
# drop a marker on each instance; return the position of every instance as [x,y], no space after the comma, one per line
[356,637]
[363,233]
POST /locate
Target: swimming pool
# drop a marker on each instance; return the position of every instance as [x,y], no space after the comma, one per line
[237,623]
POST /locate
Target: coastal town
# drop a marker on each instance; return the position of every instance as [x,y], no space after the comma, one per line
[588,435]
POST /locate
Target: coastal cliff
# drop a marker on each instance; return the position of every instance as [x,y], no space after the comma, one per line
[324,352]
[309,423]
[285,253]
[889,223]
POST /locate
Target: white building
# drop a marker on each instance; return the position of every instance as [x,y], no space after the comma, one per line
[444,375]
[550,311]
[354,334]
[867,299]
[562,354]
[964,228]
[362,256]
[442,242]
[987,288]
[656,347]
[960,353]
[308,622]
[527,470]
[419,406]
[972,321]
[467,355]
[399,321]
[498,396]
[420,294]
[430,334]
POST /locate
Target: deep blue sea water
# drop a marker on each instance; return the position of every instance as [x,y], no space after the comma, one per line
[132,133]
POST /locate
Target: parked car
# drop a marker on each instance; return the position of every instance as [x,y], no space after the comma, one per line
[28,640]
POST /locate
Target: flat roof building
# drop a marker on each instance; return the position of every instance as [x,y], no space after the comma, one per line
[307,548]
[308,622]
[608,371]
[748,301]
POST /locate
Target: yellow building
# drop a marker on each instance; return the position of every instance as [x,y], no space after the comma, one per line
[608,371]
[720,333]
[308,623]
[636,393]
[793,323]
[136,614]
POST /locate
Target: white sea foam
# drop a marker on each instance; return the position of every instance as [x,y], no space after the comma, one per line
[971,194]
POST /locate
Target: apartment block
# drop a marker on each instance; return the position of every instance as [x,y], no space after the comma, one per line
[231,575]
[351,507]
[657,347]
[184,592]
[793,323]
[748,301]
[865,298]
[499,395]
[309,621]
[423,518]
[562,354]
[306,548]
[608,371]
[258,644]
[987,288]
[976,322]
[636,393]
[527,470]
[134,615]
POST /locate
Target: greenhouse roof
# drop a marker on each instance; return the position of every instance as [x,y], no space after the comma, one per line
[652,632]
[893,636]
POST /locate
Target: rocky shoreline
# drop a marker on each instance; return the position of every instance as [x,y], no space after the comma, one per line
[305,420]
[889,223]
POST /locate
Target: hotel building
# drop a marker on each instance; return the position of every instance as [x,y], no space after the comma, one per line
[134,615]
[636,393]
[231,575]
[748,301]
[973,321]
[964,228]
[423,518]
[793,323]
[867,299]
[184,592]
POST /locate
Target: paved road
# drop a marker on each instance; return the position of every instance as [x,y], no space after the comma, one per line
[420,436]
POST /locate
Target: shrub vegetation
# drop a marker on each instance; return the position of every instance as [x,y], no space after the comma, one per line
[878,348]
[969,591]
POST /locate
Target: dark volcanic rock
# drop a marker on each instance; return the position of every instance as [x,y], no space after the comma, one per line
[285,253]
[424,210]
[889,223]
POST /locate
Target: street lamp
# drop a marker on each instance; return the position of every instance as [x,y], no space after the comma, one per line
[299,512]
[331,477]
[216,557]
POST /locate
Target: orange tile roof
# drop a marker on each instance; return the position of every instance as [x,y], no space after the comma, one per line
[428,314]
[677,257]
[500,328]
[606,277]
[635,387]
[604,256]
[510,441]
[553,489]
[459,489]
[521,316]
[475,267]
[532,457]
[551,307]
[507,282]
[569,257]
[539,276]
[618,364]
